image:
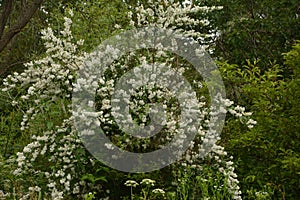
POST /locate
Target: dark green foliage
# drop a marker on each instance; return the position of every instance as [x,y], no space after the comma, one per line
[269,154]
[255,29]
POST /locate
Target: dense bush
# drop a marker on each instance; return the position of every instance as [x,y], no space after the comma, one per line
[43,158]
[268,155]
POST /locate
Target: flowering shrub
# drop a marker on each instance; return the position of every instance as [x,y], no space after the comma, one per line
[53,154]
[56,160]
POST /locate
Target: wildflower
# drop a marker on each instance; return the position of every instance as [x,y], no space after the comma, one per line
[158,191]
[148,182]
[131,183]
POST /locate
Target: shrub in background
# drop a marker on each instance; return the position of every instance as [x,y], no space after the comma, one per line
[267,156]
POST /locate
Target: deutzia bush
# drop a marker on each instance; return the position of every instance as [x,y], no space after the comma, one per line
[56,159]
[53,159]
[170,15]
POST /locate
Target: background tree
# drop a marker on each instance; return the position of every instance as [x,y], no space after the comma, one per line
[252,29]
[26,13]
[15,15]
[93,21]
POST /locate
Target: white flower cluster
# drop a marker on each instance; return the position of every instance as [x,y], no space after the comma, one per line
[158,191]
[148,181]
[239,111]
[3,195]
[52,154]
[208,138]
[228,170]
[57,149]
[131,183]
[139,106]
[49,78]
[172,15]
